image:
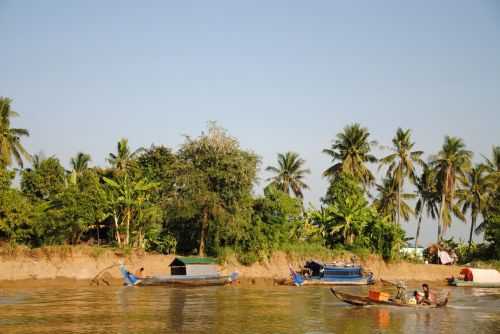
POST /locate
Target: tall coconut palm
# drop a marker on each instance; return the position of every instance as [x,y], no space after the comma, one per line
[79,164]
[124,158]
[474,195]
[10,138]
[492,167]
[427,198]
[290,174]
[350,152]
[451,163]
[389,200]
[493,164]
[401,164]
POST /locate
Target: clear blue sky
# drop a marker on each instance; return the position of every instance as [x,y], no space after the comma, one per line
[279,75]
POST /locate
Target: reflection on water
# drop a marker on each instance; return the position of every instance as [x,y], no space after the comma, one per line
[233,310]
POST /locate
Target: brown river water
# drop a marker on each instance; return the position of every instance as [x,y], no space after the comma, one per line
[232,309]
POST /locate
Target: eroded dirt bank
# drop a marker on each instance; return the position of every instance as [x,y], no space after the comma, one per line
[85,264]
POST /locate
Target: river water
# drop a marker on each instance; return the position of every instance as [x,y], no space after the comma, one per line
[233,309]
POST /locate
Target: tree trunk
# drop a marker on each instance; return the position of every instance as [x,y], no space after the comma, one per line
[117,231]
[440,220]
[127,236]
[419,224]
[399,203]
[472,226]
[204,224]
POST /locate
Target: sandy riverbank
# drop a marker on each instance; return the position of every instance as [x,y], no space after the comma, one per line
[85,264]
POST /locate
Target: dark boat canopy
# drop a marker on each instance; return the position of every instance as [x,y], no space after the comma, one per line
[182,261]
[193,266]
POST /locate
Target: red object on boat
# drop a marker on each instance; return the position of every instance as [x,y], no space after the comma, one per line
[468,276]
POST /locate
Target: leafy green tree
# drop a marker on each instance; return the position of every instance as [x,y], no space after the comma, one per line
[158,164]
[128,204]
[401,165]
[451,163]
[473,196]
[350,153]
[125,159]
[213,185]
[15,211]
[428,197]
[391,203]
[347,211]
[45,180]
[10,138]
[384,237]
[79,164]
[290,174]
[491,224]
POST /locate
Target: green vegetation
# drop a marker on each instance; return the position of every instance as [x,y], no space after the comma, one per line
[199,199]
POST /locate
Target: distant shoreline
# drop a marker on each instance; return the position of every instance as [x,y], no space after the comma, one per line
[81,264]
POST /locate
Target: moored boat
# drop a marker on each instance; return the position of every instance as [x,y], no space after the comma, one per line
[365,301]
[188,271]
[332,274]
[477,278]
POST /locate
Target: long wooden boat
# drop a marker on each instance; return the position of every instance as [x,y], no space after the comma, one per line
[332,274]
[365,301]
[187,280]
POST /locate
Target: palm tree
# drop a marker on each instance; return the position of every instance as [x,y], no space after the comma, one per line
[79,164]
[124,158]
[10,138]
[427,198]
[402,164]
[451,163]
[493,164]
[289,175]
[350,152]
[474,194]
[389,200]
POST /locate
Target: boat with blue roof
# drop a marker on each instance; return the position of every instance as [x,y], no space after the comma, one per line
[317,273]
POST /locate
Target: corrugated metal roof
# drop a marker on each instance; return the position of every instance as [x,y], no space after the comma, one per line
[194,260]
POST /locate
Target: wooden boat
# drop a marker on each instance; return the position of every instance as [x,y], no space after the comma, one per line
[476,278]
[184,272]
[332,274]
[365,301]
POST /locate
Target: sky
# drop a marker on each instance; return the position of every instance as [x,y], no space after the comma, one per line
[278,75]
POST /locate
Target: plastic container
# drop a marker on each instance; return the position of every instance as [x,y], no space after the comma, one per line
[378,296]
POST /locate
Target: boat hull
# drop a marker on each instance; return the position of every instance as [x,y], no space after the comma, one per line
[365,301]
[313,281]
[472,284]
[185,281]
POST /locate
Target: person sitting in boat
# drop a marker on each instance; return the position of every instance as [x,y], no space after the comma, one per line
[140,273]
[418,297]
[401,294]
[428,297]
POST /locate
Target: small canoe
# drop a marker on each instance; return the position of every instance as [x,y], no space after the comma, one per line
[364,301]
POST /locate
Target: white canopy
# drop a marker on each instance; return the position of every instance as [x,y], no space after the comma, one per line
[485,275]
